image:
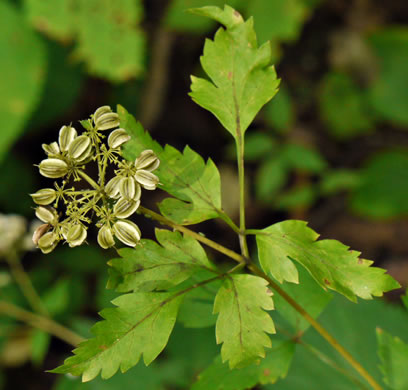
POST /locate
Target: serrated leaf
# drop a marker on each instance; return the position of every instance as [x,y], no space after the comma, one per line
[22,68]
[242,322]
[218,376]
[196,184]
[242,79]
[152,266]
[141,324]
[330,262]
[393,353]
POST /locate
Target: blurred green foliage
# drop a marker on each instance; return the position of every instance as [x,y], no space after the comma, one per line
[22,74]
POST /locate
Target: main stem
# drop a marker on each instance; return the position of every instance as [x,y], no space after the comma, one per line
[256,271]
[241,175]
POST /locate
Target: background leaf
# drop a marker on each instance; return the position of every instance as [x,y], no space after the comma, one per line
[21,74]
[278,19]
[218,376]
[344,107]
[308,294]
[178,17]
[387,94]
[393,353]
[108,36]
[354,326]
[382,191]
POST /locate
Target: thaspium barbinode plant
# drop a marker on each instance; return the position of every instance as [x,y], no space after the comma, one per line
[162,279]
[112,201]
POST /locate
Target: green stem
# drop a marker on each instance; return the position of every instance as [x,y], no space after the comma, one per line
[27,288]
[258,272]
[227,252]
[241,178]
[103,172]
[41,322]
[226,218]
[89,179]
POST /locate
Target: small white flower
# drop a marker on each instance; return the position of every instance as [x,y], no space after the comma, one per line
[127,232]
[53,168]
[105,237]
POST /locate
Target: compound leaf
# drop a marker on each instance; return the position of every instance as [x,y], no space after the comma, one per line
[393,353]
[195,183]
[152,266]
[218,376]
[242,81]
[242,322]
[140,324]
[330,262]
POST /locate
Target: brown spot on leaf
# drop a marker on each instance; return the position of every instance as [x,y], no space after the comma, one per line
[237,14]
[229,75]
[326,281]
[267,372]
[360,261]
[103,347]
